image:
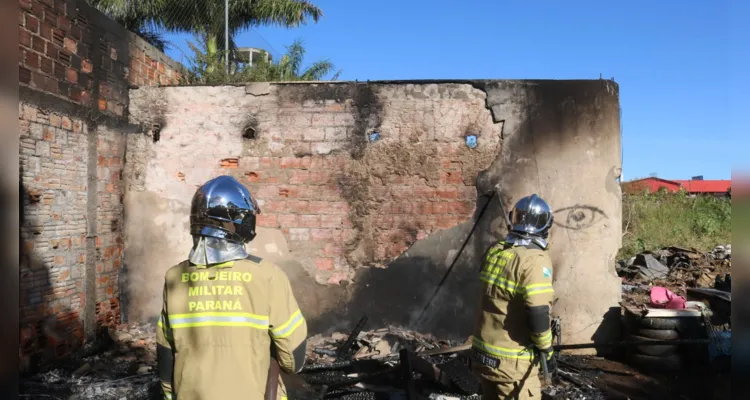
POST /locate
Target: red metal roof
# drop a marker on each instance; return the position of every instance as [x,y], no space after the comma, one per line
[651,184]
[691,186]
[712,186]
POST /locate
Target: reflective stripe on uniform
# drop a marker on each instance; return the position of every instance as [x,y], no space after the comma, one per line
[235,319]
[289,326]
[512,287]
[537,288]
[495,280]
[543,341]
[164,329]
[167,396]
[500,351]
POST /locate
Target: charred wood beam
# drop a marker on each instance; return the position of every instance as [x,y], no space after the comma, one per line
[345,351]
[406,373]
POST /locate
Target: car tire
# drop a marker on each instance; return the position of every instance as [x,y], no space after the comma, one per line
[638,323]
[654,350]
[658,334]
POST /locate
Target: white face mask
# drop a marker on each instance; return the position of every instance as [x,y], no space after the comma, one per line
[210,250]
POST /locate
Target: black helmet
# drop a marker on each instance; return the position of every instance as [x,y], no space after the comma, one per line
[531,216]
[223,208]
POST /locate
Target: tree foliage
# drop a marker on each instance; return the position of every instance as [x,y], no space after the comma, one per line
[205,17]
[208,69]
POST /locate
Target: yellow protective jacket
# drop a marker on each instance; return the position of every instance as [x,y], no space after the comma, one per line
[218,325]
[516,298]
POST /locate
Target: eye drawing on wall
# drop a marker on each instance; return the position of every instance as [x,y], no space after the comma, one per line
[578,217]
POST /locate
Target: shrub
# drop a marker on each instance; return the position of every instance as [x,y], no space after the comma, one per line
[652,221]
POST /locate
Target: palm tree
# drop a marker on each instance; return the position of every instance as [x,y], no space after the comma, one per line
[289,67]
[205,17]
[204,68]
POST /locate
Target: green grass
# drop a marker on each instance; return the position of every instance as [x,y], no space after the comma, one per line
[653,221]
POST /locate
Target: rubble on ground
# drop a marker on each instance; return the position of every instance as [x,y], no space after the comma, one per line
[676,269]
[390,361]
[121,364]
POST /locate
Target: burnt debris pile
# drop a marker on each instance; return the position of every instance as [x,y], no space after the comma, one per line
[120,364]
[676,269]
[386,363]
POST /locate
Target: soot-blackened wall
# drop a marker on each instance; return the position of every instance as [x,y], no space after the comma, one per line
[368,191]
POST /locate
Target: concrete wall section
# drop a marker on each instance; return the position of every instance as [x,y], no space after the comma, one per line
[75,68]
[370,225]
[567,149]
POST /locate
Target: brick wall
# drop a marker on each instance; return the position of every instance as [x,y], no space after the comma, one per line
[53,173]
[75,68]
[339,201]
[370,227]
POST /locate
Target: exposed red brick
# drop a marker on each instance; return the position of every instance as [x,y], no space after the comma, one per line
[48,134]
[63,23]
[321,234]
[32,60]
[86,66]
[253,177]
[37,44]
[287,220]
[287,192]
[447,193]
[72,75]
[52,53]
[32,23]
[37,80]
[267,220]
[332,221]
[66,123]
[45,31]
[76,94]
[451,177]
[230,163]
[298,206]
[58,37]
[46,65]
[23,37]
[70,45]
[325,264]
[309,221]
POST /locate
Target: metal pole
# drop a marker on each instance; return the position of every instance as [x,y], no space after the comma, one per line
[226,35]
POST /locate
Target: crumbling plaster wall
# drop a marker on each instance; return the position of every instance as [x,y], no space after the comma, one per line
[371,226]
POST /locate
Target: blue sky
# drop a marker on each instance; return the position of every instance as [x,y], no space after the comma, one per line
[674,61]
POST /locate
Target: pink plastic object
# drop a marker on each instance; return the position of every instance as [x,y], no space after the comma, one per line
[661,297]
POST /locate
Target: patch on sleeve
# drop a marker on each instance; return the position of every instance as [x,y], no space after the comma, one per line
[547,272]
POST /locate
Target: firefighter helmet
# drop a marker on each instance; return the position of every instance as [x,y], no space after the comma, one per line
[531,216]
[224,209]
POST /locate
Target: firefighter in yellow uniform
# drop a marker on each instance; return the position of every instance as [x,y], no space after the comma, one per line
[225,312]
[513,324]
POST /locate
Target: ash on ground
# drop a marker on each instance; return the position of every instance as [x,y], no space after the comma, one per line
[122,363]
[119,365]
